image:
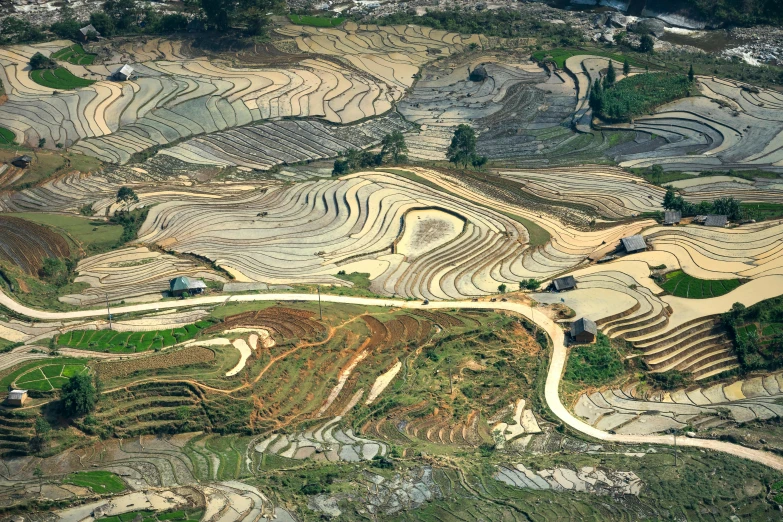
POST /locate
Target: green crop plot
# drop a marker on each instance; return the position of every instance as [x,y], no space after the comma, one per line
[47,377]
[129,342]
[316,21]
[59,78]
[6,136]
[680,284]
[74,54]
[98,481]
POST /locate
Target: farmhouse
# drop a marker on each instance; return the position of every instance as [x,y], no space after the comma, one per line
[564,283]
[716,221]
[634,243]
[185,285]
[16,397]
[123,73]
[583,331]
[672,217]
[87,30]
[22,161]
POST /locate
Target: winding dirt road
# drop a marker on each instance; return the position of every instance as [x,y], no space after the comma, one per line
[554,375]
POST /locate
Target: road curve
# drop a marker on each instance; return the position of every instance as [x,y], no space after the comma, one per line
[554,375]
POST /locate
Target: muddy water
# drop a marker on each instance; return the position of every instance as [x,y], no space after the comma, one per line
[709,41]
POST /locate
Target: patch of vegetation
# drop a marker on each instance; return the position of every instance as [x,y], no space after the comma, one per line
[669,380]
[757,333]
[59,78]
[131,221]
[129,342]
[316,21]
[680,284]
[559,56]
[596,364]
[762,211]
[6,136]
[74,54]
[49,377]
[100,482]
[637,95]
[92,235]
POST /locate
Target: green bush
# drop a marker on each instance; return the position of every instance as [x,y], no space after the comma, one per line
[595,364]
[640,94]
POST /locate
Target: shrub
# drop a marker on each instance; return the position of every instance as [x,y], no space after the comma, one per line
[640,94]
[39,62]
[594,364]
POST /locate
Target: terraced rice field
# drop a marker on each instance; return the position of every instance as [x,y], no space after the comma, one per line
[97,481]
[680,284]
[74,54]
[59,78]
[26,245]
[130,342]
[48,377]
[316,21]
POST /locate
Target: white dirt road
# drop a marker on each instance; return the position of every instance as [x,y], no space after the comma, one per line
[554,375]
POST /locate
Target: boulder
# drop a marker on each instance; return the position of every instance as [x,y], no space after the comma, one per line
[648,26]
[479,74]
[617,20]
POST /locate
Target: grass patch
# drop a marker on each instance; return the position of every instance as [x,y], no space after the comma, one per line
[680,284]
[762,211]
[641,93]
[316,21]
[74,54]
[93,235]
[59,78]
[98,481]
[595,364]
[538,235]
[13,374]
[49,376]
[6,136]
[46,164]
[128,342]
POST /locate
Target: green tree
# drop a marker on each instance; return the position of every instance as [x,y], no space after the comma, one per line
[657,172]
[127,196]
[41,437]
[691,74]
[596,98]
[502,288]
[103,23]
[393,145]
[463,146]
[39,61]
[646,44]
[611,74]
[54,270]
[78,396]
[727,207]
[626,67]
[124,13]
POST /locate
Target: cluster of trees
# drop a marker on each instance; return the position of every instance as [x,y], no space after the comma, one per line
[737,12]
[636,95]
[727,206]
[393,150]
[123,17]
[39,61]
[753,352]
[462,150]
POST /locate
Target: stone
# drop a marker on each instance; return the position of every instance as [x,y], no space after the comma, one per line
[648,26]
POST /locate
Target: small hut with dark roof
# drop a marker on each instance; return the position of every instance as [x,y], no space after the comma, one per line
[22,161]
[672,217]
[479,74]
[583,331]
[184,285]
[87,30]
[564,283]
[634,243]
[716,221]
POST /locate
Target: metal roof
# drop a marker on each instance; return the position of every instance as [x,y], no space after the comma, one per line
[126,70]
[583,325]
[87,29]
[672,216]
[634,243]
[716,221]
[17,395]
[564,283]
[182,283]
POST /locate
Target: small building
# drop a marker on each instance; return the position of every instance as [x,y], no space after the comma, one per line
[123,73]
[185,285]
[479,74]
[16,397]
[88,30]
[22,161]
[672,217]
[634,243]
[583,331]
[562,284]
[715,220]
